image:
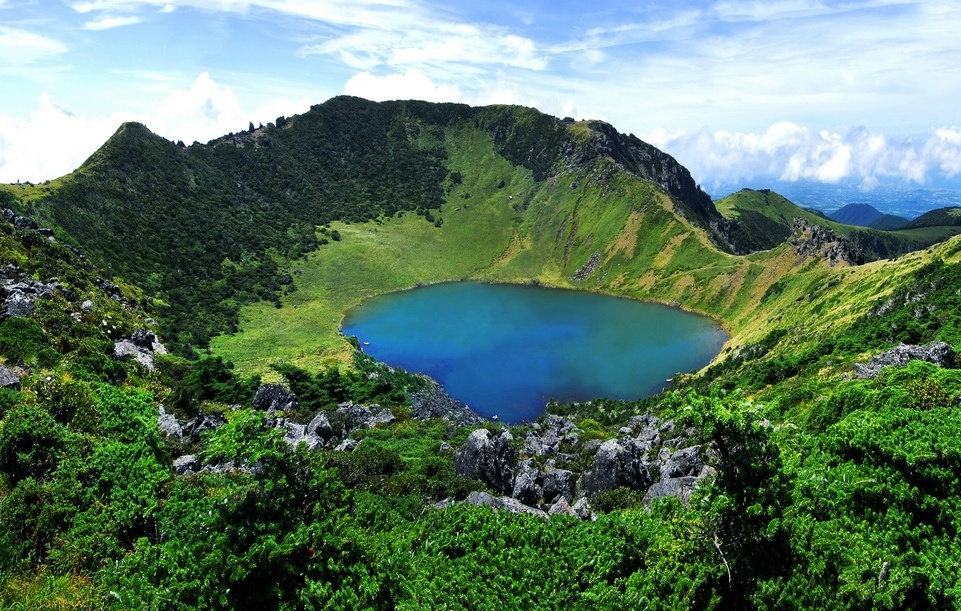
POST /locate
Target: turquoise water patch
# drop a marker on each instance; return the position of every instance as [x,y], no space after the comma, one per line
[506,350]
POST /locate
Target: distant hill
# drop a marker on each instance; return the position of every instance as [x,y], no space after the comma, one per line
[942,217]
[888,222]
[865,215]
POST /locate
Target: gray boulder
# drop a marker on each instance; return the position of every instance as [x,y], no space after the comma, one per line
[618,463]
[680,487]
[683,463]
[169,425]
[558,483]
[489,459]
[320,427]
[9,378]
[526,489]
[483,499]
[186,464]
[275,398]
[18,305]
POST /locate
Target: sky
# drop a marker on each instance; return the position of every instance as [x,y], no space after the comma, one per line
[858,92]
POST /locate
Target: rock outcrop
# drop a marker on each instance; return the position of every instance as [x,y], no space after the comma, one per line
[939,353]
[649,456]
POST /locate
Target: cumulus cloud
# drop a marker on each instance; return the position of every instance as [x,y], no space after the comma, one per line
[50,142]
[790,152]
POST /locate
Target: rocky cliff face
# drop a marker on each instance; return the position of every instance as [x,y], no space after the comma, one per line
[816,241]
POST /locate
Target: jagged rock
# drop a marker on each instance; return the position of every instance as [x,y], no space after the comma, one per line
[347,445]
[320,427]
[275,398]
[558,483]
[618,463]
[9,378]
[489,459]
[582,509]
[143,338]
[203,422]
[547,435]
[296,434]
[939,353]
[18,305]
[354,416]
[682,463]
[384,416]
[680,487]
[169,425]
[483,499]
[560,507]
[125,348]
[186,464]
[526,489]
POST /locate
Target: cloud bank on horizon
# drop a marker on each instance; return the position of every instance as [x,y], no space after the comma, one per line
[836,91]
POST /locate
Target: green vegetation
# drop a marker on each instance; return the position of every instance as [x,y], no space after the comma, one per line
[830,492]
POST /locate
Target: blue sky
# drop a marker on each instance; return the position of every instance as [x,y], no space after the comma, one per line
[864,92]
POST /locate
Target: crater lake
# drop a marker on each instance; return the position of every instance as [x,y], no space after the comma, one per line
[506,350]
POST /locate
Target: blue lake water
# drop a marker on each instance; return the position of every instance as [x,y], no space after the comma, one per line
[506,350]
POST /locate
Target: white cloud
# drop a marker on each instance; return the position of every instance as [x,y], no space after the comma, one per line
[21,48]
[50,142]
[110,22]
[790,152]
[411,85]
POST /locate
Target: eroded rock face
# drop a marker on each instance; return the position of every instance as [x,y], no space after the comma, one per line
[939,353]
[489,459]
